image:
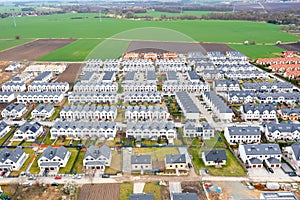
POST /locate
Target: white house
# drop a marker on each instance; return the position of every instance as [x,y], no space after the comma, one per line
[169,87]
[149,113]
[202,130]
[282,131]
[259,112]
[237,97]
[214,157]
[92,97]
[176,162]
[97,157]
[4,129]
[40,97]
[141,163]
[134,97]
[43,111]
[255,155]
[48,87]
[187,105]
[226,85]
[140,86]
[28,132]
[12,160]
[13,111]
[95,87]
[6,97]
[53,158]
[293,154]
[43,77]
[13,87]
[242,134]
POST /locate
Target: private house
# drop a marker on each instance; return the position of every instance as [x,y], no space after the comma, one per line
[232,66]
[285,68]
[24,77]
[246,75]
[139,65]
[14,111]
[43,77]
[204,65]
[193,76]
[216,56]
[13,66]
[259,112]
[201,130]
[187,105]
[97,157]
[214,157]
[12,160]
[130,77]
[255,155]
[141,196]
[6,97]
[236,55]
[289,113]
[241,97]
[278,196]
[4,129]
[218,106]
[272,61]
[226,85]
[280,97]
[93,65]
[184,196]
[169,87]
[149,113]
[242,134]
[95,87]
[109,77]
[40,97]
[87,113]
[176,162]
[49,87]
[142,163]
[140,86]
[178,65]
[93,97]
[293,154]
[79,130]
[28,132]
[292,74]
[268,86]
[52,159]
[43,111]
[151,77]
[13,87]
[212,74]
[150,130]
[282,131]
[135,97]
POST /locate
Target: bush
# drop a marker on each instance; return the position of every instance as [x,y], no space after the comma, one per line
[17,37]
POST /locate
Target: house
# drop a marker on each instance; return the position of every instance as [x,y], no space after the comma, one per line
[43,111]
[141,163]
[189,108]
[226,85]
[216,56]
[176,162]
[48,87]
[271,61]
[293,154]
[13,111]
[141,196]
[109,77]
[6,97]
[202,130]
[204,65]
[43,77]
[278,196]
[268,86]
[282,131]
[13,87]
[139,65]
[150,130]
[256,155]
[218,106]
[88,112]
[53,158]
[246,75]
[140,86]
[151,77]
[289,113]
[279,97]
[97,157]
[12,160]
[95,87]
[259,112]
[4,129]
[24,77]
[242,134]
[40,97]
[178,65]
[77,130]
[212,74]
[134,97]
[28,132]
[241,97]
[130,77]
[92,65]
[236,55]
[93,97]
[149,113]
[214,157]
[13,66]
[169,87]
[193,76]
[184,196]
[88,77]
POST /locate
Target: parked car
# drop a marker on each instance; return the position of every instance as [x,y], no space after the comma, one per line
[77,176]
[54,184]
[292,174]
[270,170]
[190,165]
[31,178]
[26,184]
[57,177]
[105,176]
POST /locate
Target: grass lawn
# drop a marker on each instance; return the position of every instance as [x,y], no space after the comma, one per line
[153,188]
[157,154]
[55,114]
[34,169]
[125,190]
[78,166]
[258,51]
[7,136]
[120,115]
[31,154]
[70,163]
[158,14]
[5,44]
[47,139]
[24,144]
[116,161]
[15,143]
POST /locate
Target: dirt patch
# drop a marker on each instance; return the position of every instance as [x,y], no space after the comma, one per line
[216,47]
[193,187]
[163,47]
[100,191]
[71,74]
[34,50]
[165,193]
[290,46]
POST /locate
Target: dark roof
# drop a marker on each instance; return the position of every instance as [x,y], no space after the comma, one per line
[96,152]
[244,130]
[175,158]
[184,196]
[262,149]
[140,159]
[151,75]
[141,196]
[42,76]
[11,155]
[108,75]
[296,149]
[255,161]
[193,75]
[129,76]
[215,155]
[51,152]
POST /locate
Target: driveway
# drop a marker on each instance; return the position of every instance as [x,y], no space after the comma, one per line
[138,188]
[175,187]
[263,173]
[126,164]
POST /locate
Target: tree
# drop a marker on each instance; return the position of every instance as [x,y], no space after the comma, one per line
[69,188]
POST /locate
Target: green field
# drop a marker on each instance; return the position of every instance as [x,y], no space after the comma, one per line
[258,51]
[5,44]
[158,14]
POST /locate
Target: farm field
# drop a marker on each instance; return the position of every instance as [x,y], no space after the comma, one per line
[158,14]
[5,44]
[100,191]
[71,74]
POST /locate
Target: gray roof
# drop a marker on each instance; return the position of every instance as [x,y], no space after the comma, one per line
[147,108]
[30,127]
[16,107]
[175,158]
[46,107]
[289,111]
[151,76]
[218,102]
[187,102]
[267,85]
[283,127]
[262,149]
[198,126]
[96,152]
[140,159]
[278,196]
[244,130]
[13,84]
[240,94]
[3,125]
[193,75]
[42,76]
[171,76]
[87,76]
[108,75]
[51,152]
[142,196]
[50,164]
[88,108]
[84,125]
[184,196]
[215,155]
[296,149]
[129,76]
[272,160]
[226,82]
[150,125]
[260,107]
[11,155]
[287,95]
[255,161]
